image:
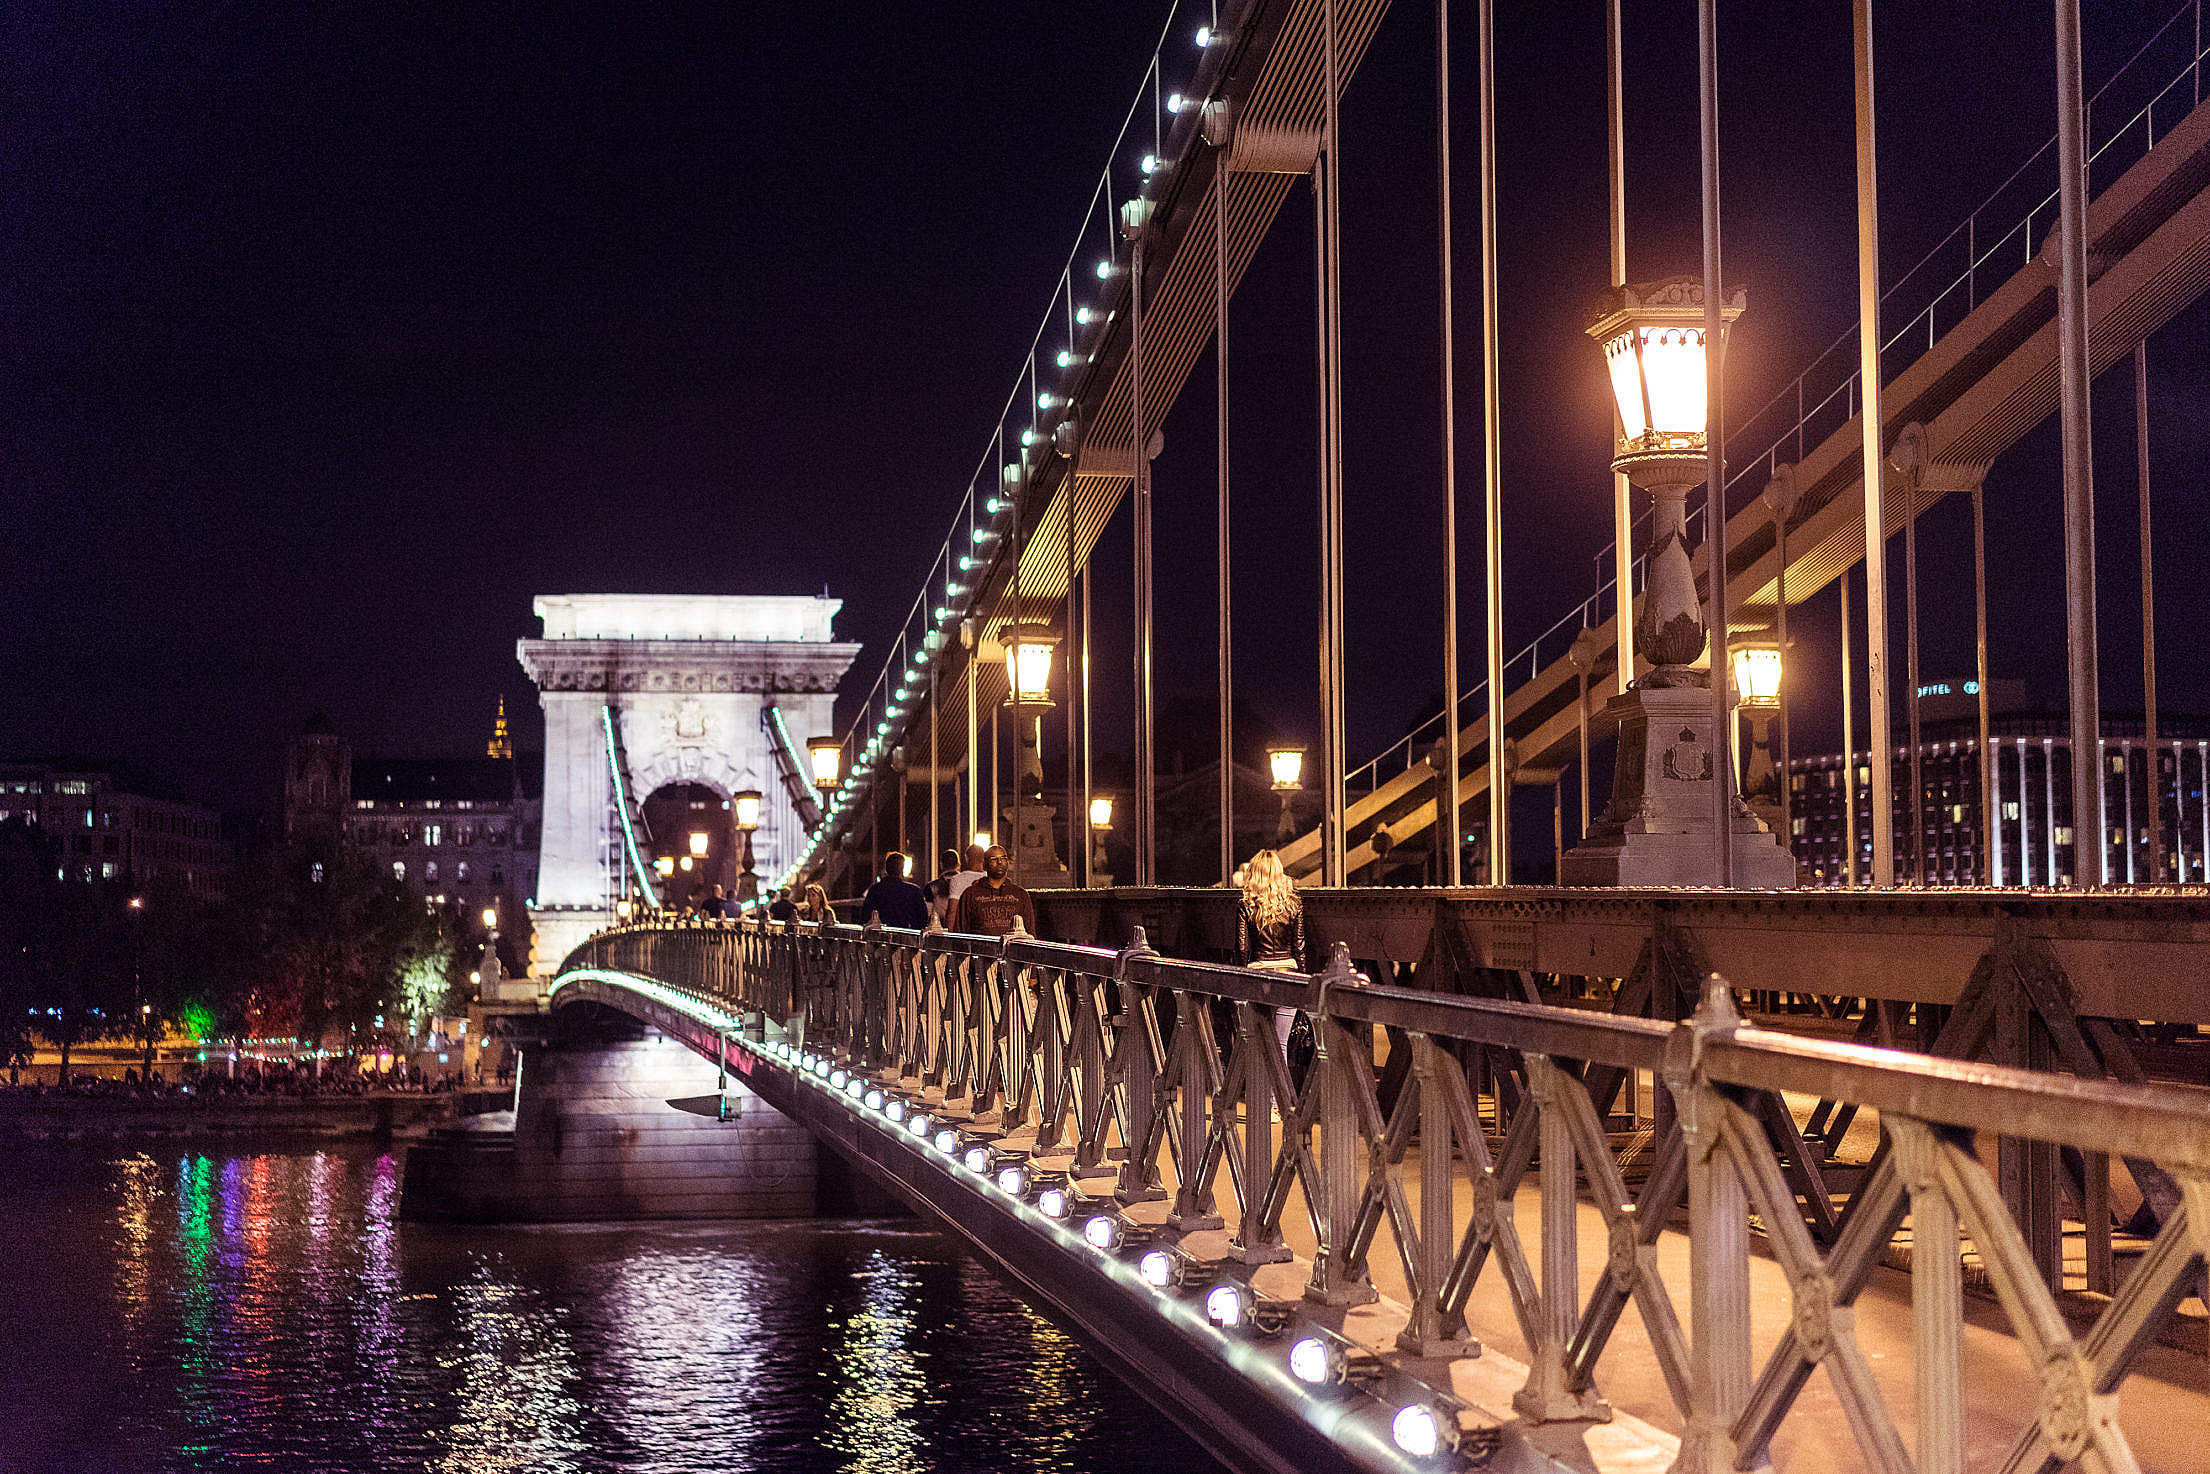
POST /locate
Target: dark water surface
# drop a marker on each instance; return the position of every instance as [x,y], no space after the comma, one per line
[183,1309]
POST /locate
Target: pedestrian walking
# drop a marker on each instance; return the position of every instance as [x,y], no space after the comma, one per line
[894,899]
[782,908]
[990,907]
[939,890]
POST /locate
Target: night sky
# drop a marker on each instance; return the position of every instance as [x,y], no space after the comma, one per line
[331,334]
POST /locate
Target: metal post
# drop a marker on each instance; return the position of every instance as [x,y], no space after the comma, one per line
[2079,465]
[1910,682]
[1145,835]
[1849,748]
[1715,486]
[1220,181]
[2148,614]
[1088,875]
[1991,789]
[1078,848]
[1448,819]
[1622,515]
[1328,207]
[971,638]
[1500,807]
[936,766]
[1875,462]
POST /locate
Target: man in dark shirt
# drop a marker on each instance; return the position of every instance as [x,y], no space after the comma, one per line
[895,899]
[990,906]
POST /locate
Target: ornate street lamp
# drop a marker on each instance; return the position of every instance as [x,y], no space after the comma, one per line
[744,805]
[1028,652]
[1287,764]
[1660,826]
[1757,673]
[1653,342]
[825,755]
[1101,824]
[698,844]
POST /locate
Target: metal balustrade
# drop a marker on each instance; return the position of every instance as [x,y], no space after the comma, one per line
[1107,1066]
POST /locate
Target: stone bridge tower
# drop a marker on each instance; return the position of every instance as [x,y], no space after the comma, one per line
[688,679]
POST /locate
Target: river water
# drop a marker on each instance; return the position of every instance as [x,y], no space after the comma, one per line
[187,1309]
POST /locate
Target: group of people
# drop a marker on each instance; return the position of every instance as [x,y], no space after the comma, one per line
[974,892]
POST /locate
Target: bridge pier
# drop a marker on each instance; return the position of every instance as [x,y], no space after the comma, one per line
[593,1139]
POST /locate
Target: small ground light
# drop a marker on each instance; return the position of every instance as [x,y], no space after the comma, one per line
[1423,1430]
[1013,1180]
[895,1110]
[874,1100]
[1052,1202]
[1229,1306]
[1103,1231]
[919,1125]
[836,1079]
[977,1159]
[1317,1362]
[1163,1269]
[853,1086]
[947,1141]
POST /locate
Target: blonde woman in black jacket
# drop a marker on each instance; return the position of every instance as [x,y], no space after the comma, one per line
[1270,926]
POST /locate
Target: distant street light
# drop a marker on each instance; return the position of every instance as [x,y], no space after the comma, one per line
[491,918]
[1757,673]
[826,756]
[1287,764]
[745,804]
[1101,824]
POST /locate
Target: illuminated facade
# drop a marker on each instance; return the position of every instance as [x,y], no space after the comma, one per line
[643,692]
[2035,842]
[458,832]
[108,833]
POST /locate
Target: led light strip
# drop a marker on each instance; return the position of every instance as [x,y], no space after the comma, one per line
[621,807]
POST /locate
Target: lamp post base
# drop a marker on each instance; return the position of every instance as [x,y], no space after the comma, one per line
[1036,859]
[1657,830]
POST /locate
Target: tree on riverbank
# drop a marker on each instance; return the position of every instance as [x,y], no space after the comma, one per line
[327,942]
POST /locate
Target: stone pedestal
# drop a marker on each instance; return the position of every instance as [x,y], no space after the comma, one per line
[1036,859]
[557,931]
[1657,829]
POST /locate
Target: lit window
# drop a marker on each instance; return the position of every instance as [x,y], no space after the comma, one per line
[398,870]
[2117,762]
[2010,808]
[1864,772]
[429,872]
[315,874]
[460,871]
[1798,826]
[107,870]
[433,834]
[2062,834]
[1956,813]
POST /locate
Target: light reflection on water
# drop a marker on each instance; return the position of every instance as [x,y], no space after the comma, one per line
[176,1309]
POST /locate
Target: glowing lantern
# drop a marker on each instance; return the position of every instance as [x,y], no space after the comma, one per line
[747,805]
[827,758]
[1288,766]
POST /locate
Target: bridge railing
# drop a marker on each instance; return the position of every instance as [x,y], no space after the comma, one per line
[1165,1077]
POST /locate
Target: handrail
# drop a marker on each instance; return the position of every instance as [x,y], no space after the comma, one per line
[1041,1056]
